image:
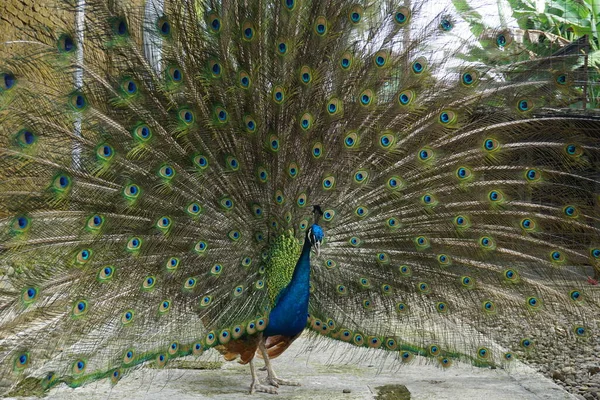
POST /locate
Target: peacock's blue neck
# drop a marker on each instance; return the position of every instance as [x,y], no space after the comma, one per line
[288,317]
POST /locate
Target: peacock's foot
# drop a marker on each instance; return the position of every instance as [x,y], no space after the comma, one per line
[274,381]
[256,386]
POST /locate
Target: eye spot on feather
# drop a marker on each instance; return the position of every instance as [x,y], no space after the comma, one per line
[221,114]
[215,68]
[355,241]
[78,102]
[190,283]
[526,344]
[524,105]
[434,350]
[164,27]
[401,308]
[425,154]
[406,357]
[134,244]
[495,196]
[489,307]
[248,32]
[383,258]
[421,242]
[66,44]
[334,107]
[447,117]
[423,288]
[387,140]
[78,367]
[576,295]
[419,66]
[163,224]
[328,182]
[405,271]
[444,260]
[174,75]
[29,295]
[346,61]
[149,283]
[581,331]
[461,222]
[83,256]
[511,275]
[491,145]
[80,308]
[290,5]
[164,306]
[533,175]
[7,81]
[366,97]
[467,282]
[127,317]
[358,339]
[172,263]
[401,16]
[25,138]
[341,290]
[534,303]
[571,211]
[381,59]
[469,78]
[216,270]
[205,301]
[226,203]
[487,243]
[463,173]
[214,23]
[446,24]
[557,256]
[321,26]
[128,357]
[278,94]
[129,87]
[441,307]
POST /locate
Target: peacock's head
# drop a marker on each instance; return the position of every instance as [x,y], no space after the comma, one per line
[315,234]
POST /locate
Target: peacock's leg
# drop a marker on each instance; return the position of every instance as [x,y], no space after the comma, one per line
[256,386]
[272,379]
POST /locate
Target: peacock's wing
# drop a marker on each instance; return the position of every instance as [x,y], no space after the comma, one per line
[460,205]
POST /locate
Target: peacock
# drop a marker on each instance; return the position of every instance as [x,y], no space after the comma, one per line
[185,175]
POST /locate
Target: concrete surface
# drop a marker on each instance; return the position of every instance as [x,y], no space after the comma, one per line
[324,376]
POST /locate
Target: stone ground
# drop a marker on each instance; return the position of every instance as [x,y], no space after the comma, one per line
[324,376]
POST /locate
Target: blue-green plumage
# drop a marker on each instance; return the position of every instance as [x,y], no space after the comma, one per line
[289,315]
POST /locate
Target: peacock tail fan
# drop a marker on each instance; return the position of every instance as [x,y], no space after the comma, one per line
[158,171]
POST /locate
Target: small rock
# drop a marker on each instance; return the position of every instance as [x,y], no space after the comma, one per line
[558,375]
[346,391]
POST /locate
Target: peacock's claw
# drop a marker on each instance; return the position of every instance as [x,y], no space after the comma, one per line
[256,386]
[274,381]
